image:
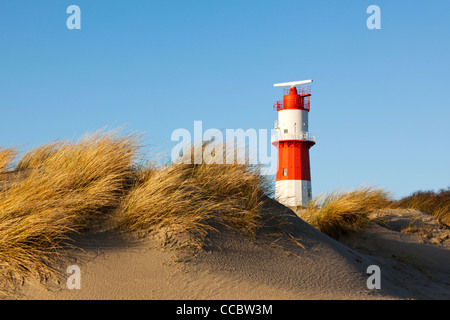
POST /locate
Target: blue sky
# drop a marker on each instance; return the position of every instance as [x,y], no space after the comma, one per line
[379,105]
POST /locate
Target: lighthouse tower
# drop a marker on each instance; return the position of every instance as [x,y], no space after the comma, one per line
[293,179]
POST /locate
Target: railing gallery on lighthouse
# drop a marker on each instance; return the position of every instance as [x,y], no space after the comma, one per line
[303,136]
[302,98]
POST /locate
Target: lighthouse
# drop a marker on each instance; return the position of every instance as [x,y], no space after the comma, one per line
[293,141]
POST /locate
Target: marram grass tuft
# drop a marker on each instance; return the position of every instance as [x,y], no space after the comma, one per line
[186,201]
[340,212]
[57,190]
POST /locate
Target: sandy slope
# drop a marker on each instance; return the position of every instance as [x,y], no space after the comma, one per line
[427,250]
[272,266]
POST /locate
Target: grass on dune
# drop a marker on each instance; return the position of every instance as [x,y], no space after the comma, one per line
[340,212]
[193,199]
[433,203]
[7,155]
[62,188]
[59,189]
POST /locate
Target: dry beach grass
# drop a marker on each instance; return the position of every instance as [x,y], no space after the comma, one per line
[63,188]
[191,200]
[6,157]
[60,191]
[343,211]
[431,202]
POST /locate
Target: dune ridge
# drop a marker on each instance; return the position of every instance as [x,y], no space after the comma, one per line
[197,231]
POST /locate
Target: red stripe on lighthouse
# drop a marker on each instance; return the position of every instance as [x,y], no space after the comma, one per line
[293,160]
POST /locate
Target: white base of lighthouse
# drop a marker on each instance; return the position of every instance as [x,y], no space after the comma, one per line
[293,193]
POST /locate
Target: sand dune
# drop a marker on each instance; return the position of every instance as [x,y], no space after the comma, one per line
[272,266]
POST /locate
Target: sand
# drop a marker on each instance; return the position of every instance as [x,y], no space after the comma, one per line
[272,266]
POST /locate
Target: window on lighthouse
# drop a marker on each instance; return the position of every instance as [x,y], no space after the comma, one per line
[284,171]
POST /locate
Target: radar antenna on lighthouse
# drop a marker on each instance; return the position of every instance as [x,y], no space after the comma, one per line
[292,84]
[293,179]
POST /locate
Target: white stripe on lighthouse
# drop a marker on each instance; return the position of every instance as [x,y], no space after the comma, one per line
[293,193]
[292,123]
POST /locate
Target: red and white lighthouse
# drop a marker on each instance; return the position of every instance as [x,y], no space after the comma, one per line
[293,179]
